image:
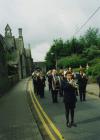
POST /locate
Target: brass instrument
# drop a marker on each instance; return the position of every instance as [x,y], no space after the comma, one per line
[73,83]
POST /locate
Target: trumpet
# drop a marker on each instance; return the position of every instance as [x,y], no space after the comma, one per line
[73,83]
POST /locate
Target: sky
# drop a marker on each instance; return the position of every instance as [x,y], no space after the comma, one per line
[43,21]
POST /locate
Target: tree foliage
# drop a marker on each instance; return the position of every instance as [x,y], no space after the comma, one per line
[75,51]
[72,61]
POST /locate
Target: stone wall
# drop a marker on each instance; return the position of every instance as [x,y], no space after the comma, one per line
[10,41]
[6,81]
[40,65]
[12,80]
[15,60]
[3,68]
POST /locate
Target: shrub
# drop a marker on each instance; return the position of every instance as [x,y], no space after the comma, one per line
[94,61]
[96,70]
[73,61]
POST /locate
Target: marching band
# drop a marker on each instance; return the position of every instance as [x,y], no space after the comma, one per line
[66,84]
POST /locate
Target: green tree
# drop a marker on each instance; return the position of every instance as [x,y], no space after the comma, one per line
[85,48]
[91,37]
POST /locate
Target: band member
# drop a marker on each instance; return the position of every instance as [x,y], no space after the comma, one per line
[71,70]
[49,75]
[38,83]
[55,86]
[34,77]
[41,85]
[82,82]
[61,75]
[70,99]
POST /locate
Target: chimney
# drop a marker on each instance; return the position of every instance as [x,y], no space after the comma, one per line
[20,32]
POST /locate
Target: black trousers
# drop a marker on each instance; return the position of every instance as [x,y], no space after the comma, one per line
[61,92]
[54,96]
[69,113]
[41,92]
[82,94]
[50,86]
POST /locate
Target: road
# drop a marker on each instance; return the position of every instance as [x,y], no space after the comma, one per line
[87,117]
[17,122]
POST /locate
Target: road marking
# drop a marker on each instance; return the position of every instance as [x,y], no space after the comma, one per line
[41,118]
[57,132]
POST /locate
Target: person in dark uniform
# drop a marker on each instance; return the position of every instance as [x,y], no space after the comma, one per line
[70,99]
[41,85]
[82,82]
[34,77]
[38,83]
[55,86]
[61,75]
[50,80]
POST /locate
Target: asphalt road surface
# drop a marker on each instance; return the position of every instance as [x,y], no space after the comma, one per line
[87,117]
[17,122]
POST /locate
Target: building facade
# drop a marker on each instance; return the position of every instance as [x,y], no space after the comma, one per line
[40,65]
[15,60]
[3,66]
[22,59]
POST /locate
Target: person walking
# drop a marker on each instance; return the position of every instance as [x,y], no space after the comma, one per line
[61,75]
[41,84]
[55,86]
[70,99]
[34,77]
[82,83]
[49,75]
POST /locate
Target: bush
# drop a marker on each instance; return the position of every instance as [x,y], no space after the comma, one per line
[73,61]
[94,61]
[96,70]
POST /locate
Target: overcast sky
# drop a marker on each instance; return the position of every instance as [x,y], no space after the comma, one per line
[45,20]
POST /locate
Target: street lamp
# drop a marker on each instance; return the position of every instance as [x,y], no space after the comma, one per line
[55,59]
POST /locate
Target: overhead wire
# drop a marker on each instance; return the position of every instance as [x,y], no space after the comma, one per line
[87,21]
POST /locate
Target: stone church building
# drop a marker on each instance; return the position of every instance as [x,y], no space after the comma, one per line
[3,66]
[22,59]
[15,60]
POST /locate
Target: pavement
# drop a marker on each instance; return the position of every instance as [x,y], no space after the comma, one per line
[87,116]
[16,120]
[93,89]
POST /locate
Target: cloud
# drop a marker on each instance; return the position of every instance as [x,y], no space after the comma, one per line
[39,52]
[45,20]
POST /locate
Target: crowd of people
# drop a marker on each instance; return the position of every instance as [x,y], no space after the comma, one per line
[39,83]
[68,85]
[56,83]
[63,83]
